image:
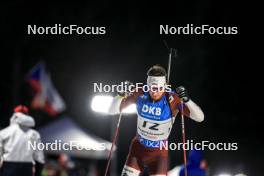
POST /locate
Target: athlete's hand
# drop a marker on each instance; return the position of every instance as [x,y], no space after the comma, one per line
[126,86]
[183,94]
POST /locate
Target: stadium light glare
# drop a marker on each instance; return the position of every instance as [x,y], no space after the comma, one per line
[224,174]
[240,174]
[102,103]
[130,109]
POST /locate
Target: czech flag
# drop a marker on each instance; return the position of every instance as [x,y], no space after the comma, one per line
[46,96]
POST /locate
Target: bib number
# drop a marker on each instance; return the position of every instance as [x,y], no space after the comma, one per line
[150,126]
[154,130]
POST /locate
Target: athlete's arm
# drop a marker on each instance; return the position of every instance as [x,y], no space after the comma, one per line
[190,109]
[195,111]
[119,103]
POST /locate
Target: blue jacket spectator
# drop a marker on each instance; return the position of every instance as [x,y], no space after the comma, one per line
[193,166]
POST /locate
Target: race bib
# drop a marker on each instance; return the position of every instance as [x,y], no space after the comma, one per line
[154,130]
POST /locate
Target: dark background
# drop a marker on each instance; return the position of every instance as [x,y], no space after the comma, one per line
[220,71]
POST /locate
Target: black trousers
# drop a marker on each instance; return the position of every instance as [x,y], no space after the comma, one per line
[16,169]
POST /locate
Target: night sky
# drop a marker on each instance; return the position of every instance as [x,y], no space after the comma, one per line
[219,71]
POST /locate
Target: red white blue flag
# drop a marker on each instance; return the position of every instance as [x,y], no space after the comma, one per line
[46,96]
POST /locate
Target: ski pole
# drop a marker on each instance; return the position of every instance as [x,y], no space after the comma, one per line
[113,143]
[182,114]
[183,139]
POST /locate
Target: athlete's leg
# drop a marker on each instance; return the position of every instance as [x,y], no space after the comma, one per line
[130,171]
[132,167]
[158,164]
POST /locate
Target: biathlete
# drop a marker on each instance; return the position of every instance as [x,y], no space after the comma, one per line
[156,111]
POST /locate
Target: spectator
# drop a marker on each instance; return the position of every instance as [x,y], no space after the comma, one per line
[16,157]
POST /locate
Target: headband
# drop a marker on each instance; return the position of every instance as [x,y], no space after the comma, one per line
[159,81]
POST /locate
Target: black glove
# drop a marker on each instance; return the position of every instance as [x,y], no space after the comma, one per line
[127,85]
[182,93]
